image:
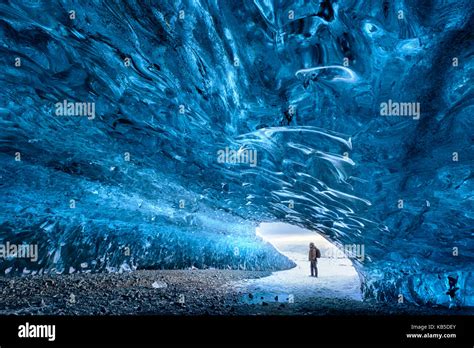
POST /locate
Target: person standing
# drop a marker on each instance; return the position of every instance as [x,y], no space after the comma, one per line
[314,254]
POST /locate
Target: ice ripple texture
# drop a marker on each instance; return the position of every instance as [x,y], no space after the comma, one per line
[175,82]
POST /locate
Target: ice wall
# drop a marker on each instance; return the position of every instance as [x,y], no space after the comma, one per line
[167,97]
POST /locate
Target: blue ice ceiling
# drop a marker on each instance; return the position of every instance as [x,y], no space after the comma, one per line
[131,177]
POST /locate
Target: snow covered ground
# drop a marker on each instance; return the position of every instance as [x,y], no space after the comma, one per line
[337,277]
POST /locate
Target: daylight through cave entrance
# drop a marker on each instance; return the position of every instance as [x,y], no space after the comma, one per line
[337,276]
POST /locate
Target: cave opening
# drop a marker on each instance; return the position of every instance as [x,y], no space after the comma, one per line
[337,276]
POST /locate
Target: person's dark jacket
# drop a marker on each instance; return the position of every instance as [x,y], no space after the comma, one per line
[313,254]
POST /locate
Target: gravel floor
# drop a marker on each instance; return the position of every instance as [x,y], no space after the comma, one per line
[172,292]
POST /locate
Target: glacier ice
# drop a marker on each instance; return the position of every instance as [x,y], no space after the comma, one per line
[299,82]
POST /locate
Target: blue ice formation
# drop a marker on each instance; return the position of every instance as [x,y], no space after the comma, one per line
[115,114]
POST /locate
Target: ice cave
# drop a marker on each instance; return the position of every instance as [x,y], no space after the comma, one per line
[132,132]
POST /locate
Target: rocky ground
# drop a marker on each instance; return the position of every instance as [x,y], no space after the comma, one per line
[173,292]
